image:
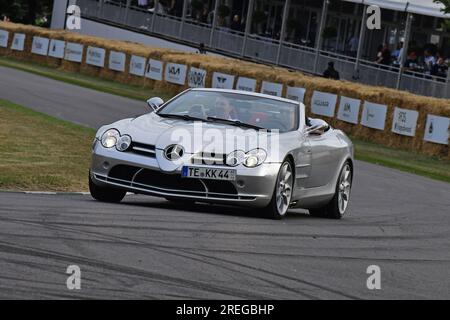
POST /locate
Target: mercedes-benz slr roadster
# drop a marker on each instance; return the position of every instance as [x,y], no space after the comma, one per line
[226,147]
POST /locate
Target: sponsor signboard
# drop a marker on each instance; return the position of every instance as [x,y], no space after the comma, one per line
[405,122]
[349,110]
[117,61]
[222,81]
[154,70]
[246,84]
[296,94]
[95,56]
[176,73]
[437,129]
[137,65]
[74,52]
[374,115]
[323,103]
[56,48]
[18,43]
[4,35]
[196,78]
[273,89]
[40,46]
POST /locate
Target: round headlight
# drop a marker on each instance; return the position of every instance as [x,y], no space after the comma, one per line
[255,158]
[235,158]
[123,143]
[110,137]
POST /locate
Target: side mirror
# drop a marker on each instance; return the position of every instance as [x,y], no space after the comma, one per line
[317,127]
[155,103]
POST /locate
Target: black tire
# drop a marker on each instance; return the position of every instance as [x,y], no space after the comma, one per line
[105,194]
[272,211]
[331,210]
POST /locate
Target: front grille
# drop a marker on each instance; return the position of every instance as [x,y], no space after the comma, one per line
[143,149]
[210,159]
[152,180]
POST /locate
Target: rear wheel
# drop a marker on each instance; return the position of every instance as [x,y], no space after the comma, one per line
[282,195]
[337,207]
[105,194]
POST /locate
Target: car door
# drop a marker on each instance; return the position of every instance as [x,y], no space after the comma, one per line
[324,158]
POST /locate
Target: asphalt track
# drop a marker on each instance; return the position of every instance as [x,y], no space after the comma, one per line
[148,248]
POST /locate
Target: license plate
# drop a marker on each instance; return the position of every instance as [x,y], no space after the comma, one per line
[208,173]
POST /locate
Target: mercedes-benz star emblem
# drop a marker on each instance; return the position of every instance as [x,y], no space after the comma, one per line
[174,152]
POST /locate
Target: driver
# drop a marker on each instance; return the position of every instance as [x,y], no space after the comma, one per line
[224,110]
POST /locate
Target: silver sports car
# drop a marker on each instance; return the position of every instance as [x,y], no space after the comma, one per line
[226,147]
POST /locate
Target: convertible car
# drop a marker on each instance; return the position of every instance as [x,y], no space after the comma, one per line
[226,147]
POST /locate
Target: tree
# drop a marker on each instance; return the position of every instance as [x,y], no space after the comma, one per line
[446,9]
[26,11]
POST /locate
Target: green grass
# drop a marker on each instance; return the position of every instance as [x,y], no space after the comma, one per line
[60,161]
[39,152]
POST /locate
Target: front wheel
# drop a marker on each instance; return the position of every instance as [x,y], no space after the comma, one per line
[105,194]
[282,195]
[337,207]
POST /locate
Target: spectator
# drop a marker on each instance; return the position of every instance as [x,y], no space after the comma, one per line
[331,72]
[384,56]
[440,68]
[236,23]
[201,48]
[353,46]
[398,54]
[429,59]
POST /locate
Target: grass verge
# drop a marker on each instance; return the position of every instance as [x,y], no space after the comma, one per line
[38,152]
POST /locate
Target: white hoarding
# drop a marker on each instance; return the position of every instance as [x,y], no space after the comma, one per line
[405,122]
[176,73]
[154,70]
[196,78]
[95,56]
[222,81]
[56,48]
[18,43]
[246,84]
[349,110]
[296,94]
[117,61]
[137,65]
[74,52]
[4,35]
[40,46]
[323,103]
[374,115]
[272,89]
[437,129]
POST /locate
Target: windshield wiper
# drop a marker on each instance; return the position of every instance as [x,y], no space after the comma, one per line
[180,116]
[235,123]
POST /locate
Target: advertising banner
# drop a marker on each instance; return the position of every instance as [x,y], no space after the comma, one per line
[117,61]
[56,48]
[176,73]
[349,110]
[222,81]
[296,94]
[95,56]
[196,78]
[374,115]
[74,52]
[40,46]
[437,129]
[154,70]
[137,65]
[18,43]
[272,89]
[323,103]
[246,84]
[4,36]
[405,122]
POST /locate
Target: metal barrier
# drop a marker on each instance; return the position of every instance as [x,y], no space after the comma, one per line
[264,49]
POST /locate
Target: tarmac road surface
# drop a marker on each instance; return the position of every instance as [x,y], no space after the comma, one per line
[149,248]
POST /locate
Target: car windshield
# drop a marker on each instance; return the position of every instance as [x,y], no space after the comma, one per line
[234,108]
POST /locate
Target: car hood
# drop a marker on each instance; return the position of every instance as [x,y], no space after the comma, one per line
[193,136]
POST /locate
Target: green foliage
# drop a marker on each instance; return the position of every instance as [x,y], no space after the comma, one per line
[446,4]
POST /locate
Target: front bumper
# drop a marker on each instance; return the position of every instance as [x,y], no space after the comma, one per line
[253,187]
